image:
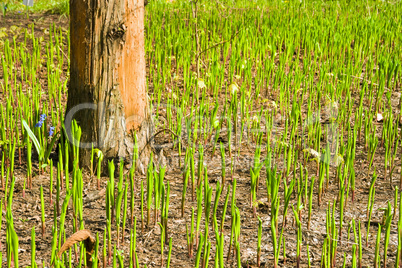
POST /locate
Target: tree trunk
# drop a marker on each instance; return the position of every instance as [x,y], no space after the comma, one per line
[107,94]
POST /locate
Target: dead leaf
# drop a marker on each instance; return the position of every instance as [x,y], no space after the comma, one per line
[379,117]
[82,235]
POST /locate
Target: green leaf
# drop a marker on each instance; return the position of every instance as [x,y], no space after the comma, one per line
[15,246]
[215,123]
[4,142]
[33,138]
[49,149]
[99,154]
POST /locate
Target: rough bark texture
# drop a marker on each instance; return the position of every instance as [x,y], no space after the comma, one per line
[107,93]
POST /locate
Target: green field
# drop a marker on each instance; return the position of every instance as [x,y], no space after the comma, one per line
[278,140]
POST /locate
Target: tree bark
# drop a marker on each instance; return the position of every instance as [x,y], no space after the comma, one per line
[107,94]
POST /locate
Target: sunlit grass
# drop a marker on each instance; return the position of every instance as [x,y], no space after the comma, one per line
[308,90]
[52,6]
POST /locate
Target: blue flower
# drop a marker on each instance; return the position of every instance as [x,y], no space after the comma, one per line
[42,118]
[51,131]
